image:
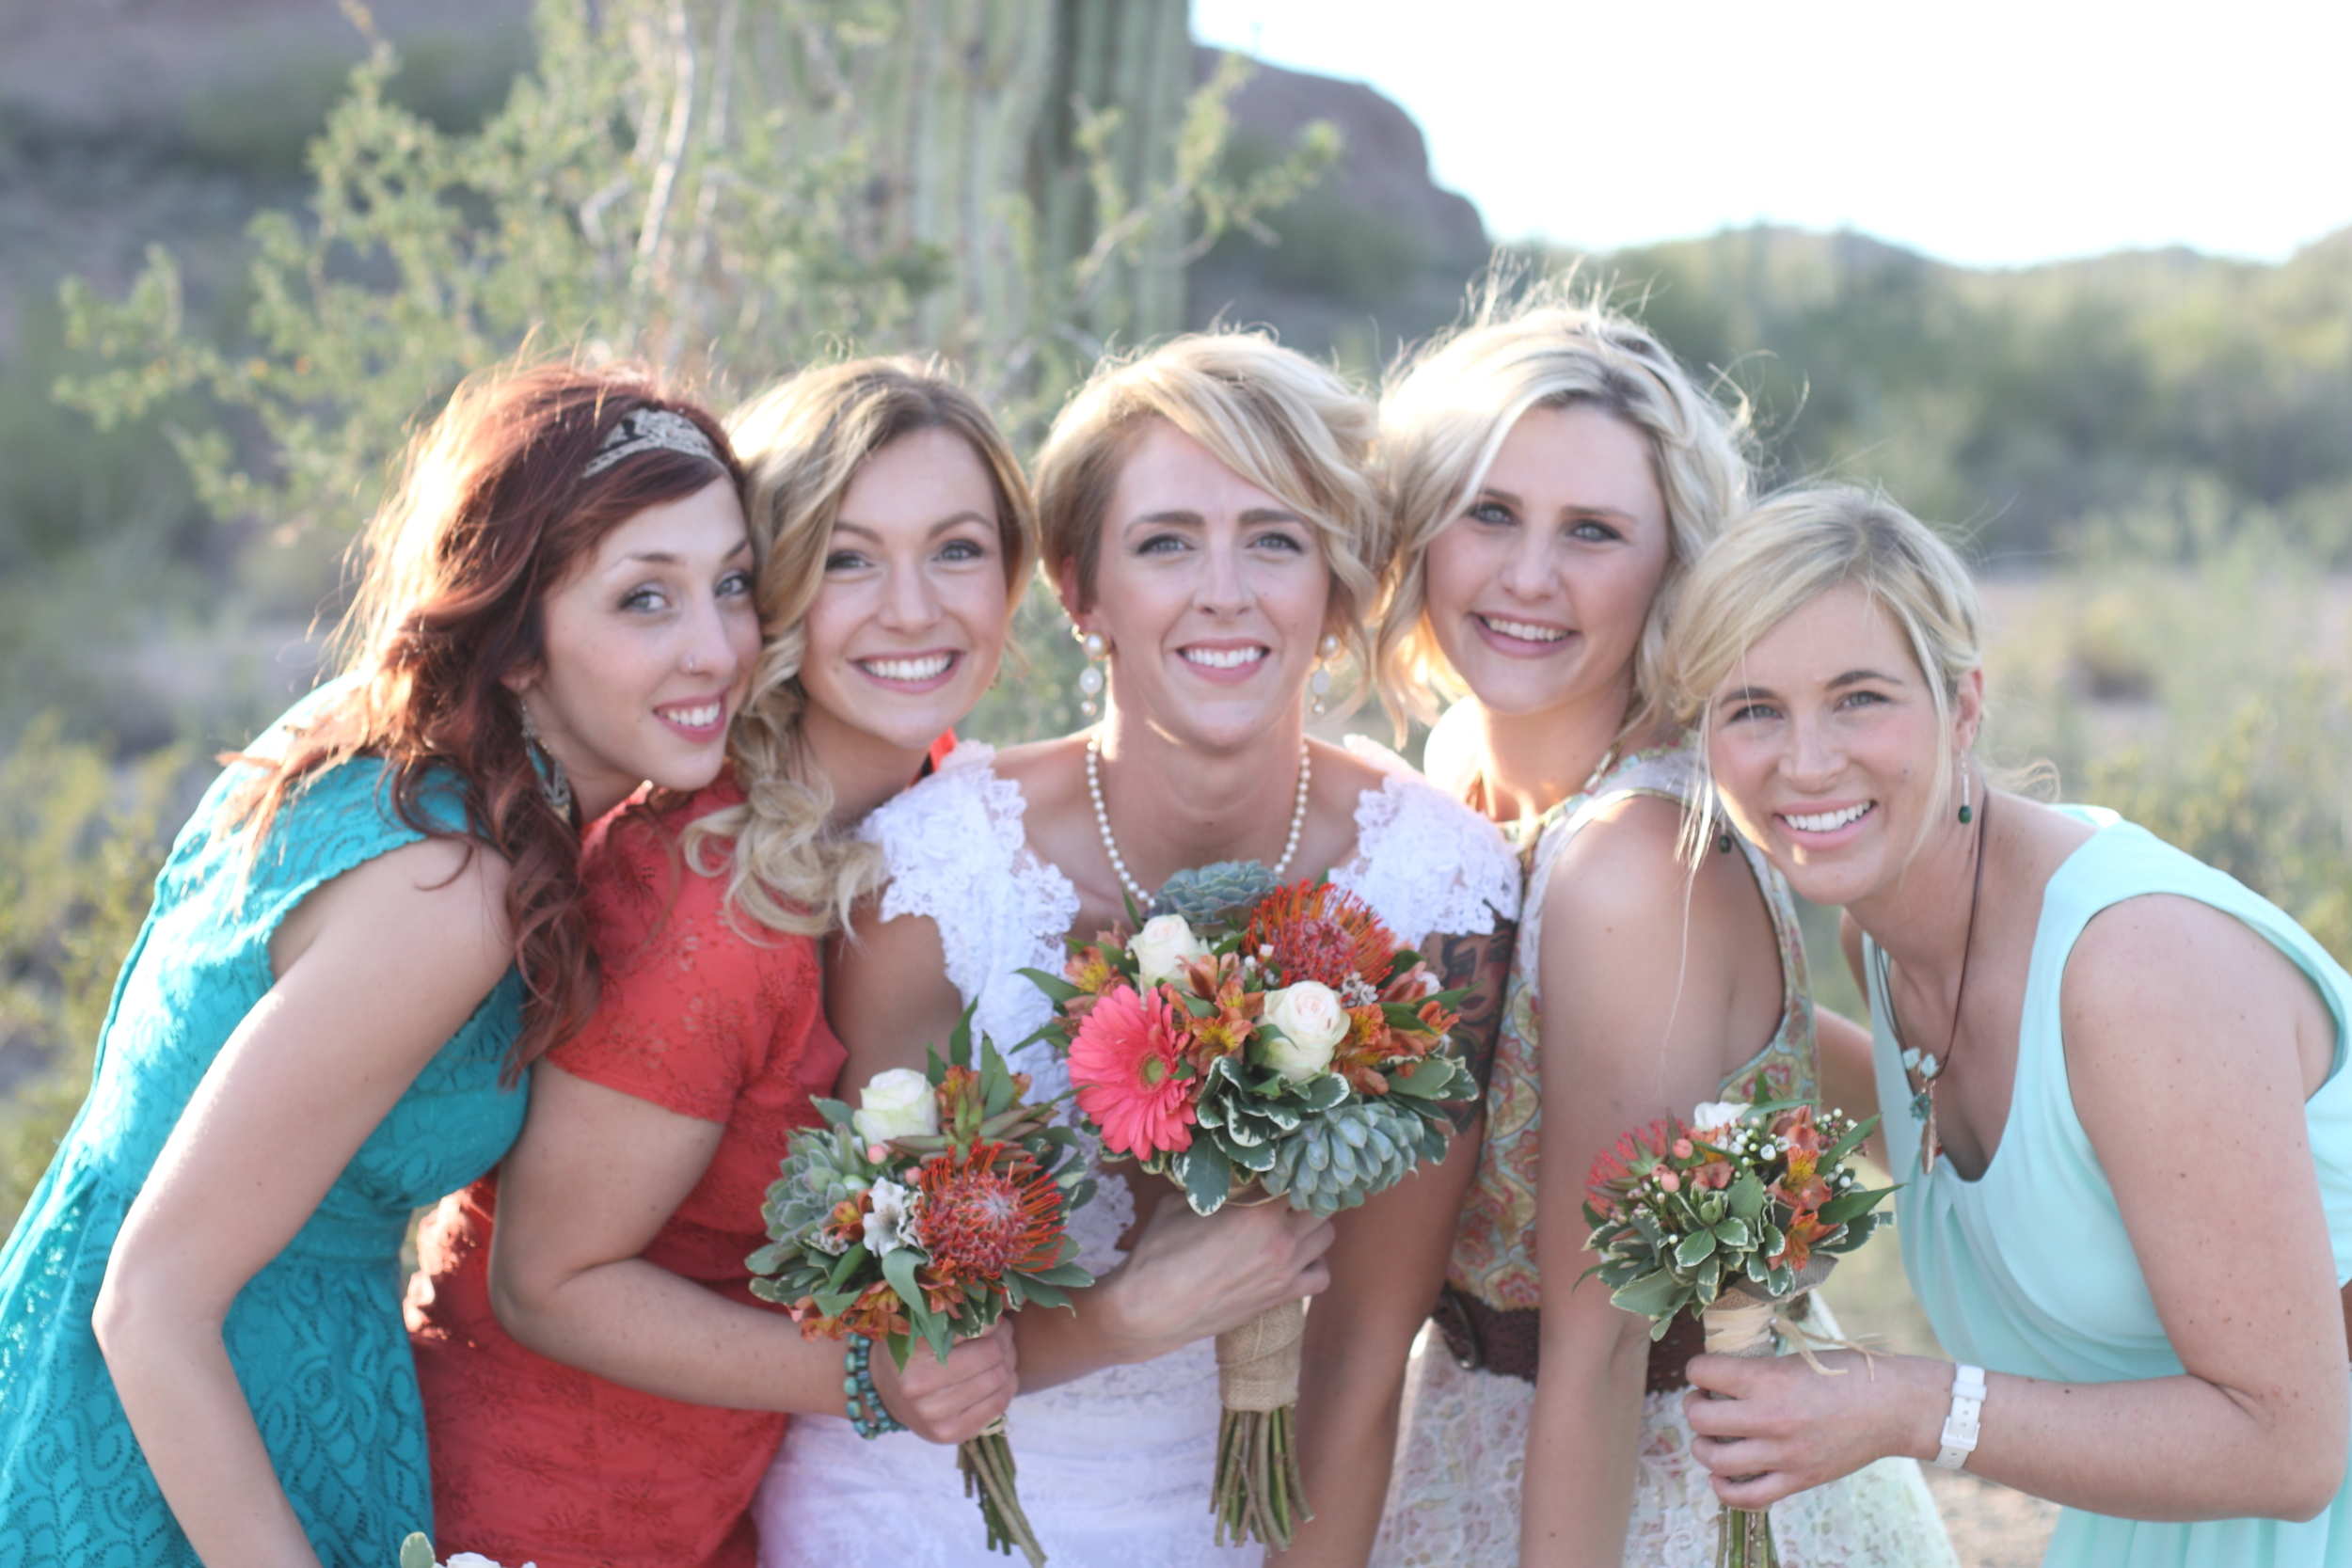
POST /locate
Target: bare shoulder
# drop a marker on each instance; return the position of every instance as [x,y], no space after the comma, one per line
[2167,967]
[1627,865]
[445,897]
[1341,778]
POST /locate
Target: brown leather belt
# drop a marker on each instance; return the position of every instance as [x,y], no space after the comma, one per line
[1507,1340]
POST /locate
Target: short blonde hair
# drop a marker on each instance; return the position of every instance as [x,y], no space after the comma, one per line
[1797,546]
[1286,424]
[1449,409]
[802,442]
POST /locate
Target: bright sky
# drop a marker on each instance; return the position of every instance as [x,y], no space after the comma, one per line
[1996,132]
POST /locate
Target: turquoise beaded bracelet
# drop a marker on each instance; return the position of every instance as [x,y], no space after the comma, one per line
[866,1412]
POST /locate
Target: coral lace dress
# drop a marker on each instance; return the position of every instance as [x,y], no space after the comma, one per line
[536,1461]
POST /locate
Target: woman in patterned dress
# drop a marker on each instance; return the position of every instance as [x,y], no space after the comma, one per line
[1207,515]
[1553,472]
[200,1352]
[603,1386]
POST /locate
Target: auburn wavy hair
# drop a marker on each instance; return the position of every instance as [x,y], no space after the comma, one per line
[493,510]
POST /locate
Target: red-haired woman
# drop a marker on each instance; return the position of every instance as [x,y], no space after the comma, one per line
[369,928]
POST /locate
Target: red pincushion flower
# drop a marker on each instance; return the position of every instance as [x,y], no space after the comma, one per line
[1127,1061]
[1321,932]
[988,1210]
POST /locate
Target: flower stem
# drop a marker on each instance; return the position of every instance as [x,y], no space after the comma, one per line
[986,1462]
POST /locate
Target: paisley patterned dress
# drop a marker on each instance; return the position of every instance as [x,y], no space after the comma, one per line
[315,1337]
[1454,1499]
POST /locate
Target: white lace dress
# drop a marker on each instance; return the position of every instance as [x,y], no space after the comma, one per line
[1115,1468]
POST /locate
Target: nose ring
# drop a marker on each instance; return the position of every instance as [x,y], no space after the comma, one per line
[692,666]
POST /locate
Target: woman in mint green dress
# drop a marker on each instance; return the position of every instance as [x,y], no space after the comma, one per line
[370,924]
[2112,1079]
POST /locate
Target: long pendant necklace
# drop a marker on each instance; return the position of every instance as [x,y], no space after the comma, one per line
[1921,1068]
[1110,846]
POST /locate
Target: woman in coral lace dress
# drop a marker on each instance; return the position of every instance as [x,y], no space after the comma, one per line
[601,1385]
[1555,473]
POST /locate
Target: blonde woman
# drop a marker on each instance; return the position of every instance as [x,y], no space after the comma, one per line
[1206,515]
[1554,472]
[2076,1030]
[602,1387]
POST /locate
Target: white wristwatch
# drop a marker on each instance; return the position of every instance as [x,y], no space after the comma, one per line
[1959,1427]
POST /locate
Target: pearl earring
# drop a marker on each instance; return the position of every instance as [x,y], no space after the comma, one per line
[1090,679]
[1320,682]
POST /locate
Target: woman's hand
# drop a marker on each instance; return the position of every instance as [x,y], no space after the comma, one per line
[1191,1276]
[1771,1426]
[946,1402]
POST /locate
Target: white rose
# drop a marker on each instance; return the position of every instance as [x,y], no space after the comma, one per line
[1312,1024]
[1716,1116]
[900,1104]
[475,1560]
[890,1223]
[1164,945]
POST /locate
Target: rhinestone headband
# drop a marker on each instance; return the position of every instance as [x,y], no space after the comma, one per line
[647,430]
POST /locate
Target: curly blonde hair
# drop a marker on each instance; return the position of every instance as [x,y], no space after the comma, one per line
[1449,406]
[802,442]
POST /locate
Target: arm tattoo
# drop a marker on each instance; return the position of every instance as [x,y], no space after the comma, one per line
[1479,965]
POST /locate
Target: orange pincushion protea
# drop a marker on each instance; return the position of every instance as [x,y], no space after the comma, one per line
[1321,932]
[976,1220]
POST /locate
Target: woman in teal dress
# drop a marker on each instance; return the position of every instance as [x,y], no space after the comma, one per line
[371,924]
[2112,1079]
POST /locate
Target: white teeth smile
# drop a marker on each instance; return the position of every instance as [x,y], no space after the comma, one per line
[695,717]
[1824,822]
[1525,631]
[1224,659]
[928,667]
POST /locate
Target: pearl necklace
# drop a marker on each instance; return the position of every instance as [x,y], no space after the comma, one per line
[1110,847]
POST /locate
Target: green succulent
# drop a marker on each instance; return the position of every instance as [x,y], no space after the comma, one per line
[1357,1148]
[1215,895]
[822,1170]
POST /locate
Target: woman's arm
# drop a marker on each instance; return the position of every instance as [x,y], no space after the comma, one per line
[591,1183]
[2191,1045]
[375,970]
[1388,1263]
[1655,979]
[1184,1277]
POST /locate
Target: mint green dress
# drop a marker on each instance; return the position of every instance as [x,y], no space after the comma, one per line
[316,1335]
[2028,1270]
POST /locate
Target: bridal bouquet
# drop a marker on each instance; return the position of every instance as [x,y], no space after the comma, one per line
[1252,1033]
[1732,1217]
[938,1206]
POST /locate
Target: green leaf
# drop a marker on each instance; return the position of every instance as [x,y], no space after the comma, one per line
[1732,1233]
[1063,1273]
[1846,1206]
[416,1551]
[1746,1197]
[832,1110]
[1649,1296]
[1207,1176]
[899,1267]
[1053,986]
[1698,1246]
[1852,1141]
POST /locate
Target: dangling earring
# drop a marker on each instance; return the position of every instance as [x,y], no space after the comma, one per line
[1320,682]
[1090,679]
[1967,813]
[553,783]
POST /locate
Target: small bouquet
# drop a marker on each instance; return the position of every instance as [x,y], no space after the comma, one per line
[1257,1033]
[938,1206]
[417,1552]
[1733,1217]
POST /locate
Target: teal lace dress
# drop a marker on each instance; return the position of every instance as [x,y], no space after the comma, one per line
[316,1335]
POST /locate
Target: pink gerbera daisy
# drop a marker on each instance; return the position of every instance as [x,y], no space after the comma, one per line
[1128,1064]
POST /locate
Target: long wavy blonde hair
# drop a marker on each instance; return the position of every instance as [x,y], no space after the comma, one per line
[802,442]
[1446,414]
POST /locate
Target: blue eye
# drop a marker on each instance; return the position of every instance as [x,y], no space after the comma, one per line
[1594,532]
[735,584]
[1493,514]
[1162,543]
[963,549]
[644,599]
[1281,541]
[844,561]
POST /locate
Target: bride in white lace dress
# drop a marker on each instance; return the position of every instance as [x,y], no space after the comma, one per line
[1206,515]
[1554,473]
